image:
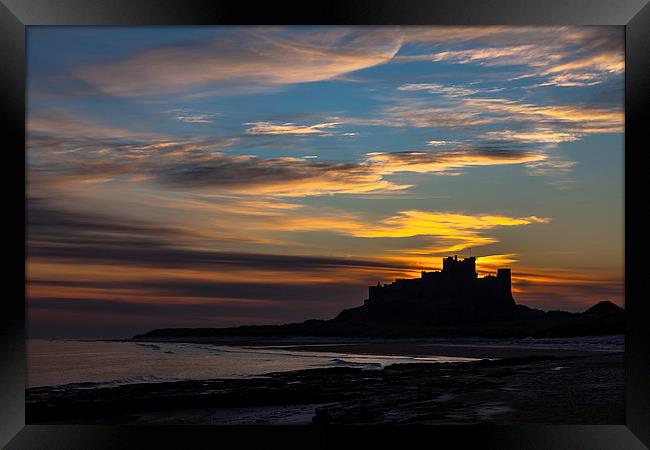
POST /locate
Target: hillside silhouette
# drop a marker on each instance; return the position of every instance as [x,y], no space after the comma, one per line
[450,302]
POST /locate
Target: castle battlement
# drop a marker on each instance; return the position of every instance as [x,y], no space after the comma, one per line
[457,283]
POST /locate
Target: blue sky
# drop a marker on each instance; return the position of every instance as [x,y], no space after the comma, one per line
[370,151]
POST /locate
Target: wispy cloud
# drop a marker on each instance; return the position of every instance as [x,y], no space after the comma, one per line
[449,161]
[546,124]
[441,143]
[609,61]
[475,111]
[557,168]
[290,129]
[64,124]
[64,156]
[573,80]
[194,118]
[454,225]
[192,165]
[446,232]
[259,56]
[201,166]
[535,55]
[538,135]
[584,119]
[435,88]
[187,115]
[560,56]
[97,239]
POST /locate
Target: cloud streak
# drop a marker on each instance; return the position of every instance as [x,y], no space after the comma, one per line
[290,129]
[275,56]
[56,235]
[453,231]
[572,57]
[259,56]
[442,162]
[476,111]
[204,166]
[436,88]
[537,135]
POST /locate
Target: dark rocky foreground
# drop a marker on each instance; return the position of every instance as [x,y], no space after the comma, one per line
[535,389]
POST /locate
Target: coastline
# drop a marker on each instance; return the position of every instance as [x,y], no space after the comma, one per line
[466,348]
[555,387]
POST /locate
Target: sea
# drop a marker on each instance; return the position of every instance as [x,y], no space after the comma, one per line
[96,364]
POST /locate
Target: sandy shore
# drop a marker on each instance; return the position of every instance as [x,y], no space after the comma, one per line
[424,349]
[550,388]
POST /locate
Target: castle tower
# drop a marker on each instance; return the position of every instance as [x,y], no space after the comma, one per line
[455,268]
[505,283]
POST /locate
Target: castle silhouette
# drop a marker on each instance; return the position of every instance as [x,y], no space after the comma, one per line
[450,302]
[457,284]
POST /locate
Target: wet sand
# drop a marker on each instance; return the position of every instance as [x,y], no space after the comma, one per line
[398,347]
[424,349]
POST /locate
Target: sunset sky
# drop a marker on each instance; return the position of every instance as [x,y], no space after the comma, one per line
[221,176]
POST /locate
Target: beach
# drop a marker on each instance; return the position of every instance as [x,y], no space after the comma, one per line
[500,382]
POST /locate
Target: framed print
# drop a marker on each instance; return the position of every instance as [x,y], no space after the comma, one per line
[365,221]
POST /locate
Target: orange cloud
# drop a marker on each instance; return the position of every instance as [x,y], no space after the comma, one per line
[566,289]
[450,225]
[441,162]
[490,263]
[573,116]
[533,54]
[613,62]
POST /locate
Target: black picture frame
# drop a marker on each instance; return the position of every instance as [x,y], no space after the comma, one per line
[16,15]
